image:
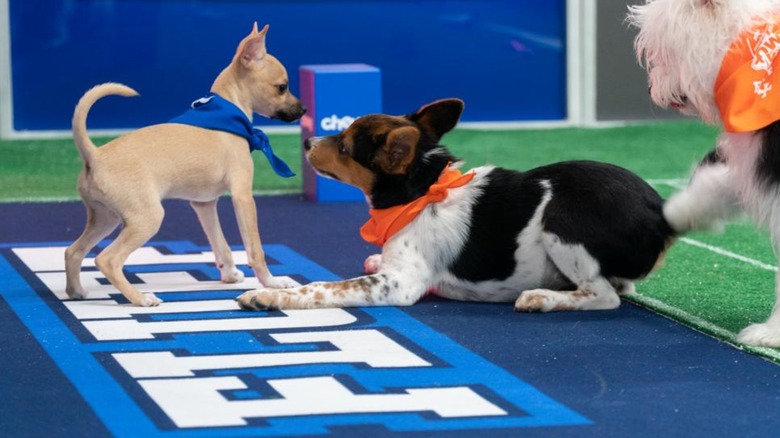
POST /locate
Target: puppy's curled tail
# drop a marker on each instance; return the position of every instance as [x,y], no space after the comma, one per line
[80,138]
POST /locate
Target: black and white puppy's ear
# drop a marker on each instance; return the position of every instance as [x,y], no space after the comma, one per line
[399,150]
[439,117]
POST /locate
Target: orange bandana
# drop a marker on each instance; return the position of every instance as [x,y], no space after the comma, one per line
[385,222]
[745,87]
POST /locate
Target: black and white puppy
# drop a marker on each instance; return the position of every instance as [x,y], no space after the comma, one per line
[568,236]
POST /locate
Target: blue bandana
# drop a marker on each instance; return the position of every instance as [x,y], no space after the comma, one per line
[217,113]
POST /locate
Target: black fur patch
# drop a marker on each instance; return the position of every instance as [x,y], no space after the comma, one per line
[768,165]
[712,157]
[613,213]
[392,190]
[507,203]
[365,147]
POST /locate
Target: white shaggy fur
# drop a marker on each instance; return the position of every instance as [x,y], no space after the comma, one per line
[681,43]
[706,203]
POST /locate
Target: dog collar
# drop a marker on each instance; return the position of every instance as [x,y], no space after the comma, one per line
[217,113]
[745,88]
[385,222]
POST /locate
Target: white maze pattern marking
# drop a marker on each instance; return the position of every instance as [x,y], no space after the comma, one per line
[191,388]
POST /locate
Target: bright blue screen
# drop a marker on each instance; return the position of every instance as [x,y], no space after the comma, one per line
[505,58]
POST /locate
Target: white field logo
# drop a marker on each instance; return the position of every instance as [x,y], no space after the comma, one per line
[336,123]
[202,362]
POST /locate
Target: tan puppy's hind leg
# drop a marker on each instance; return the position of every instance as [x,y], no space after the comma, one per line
[100,223]
[142,223]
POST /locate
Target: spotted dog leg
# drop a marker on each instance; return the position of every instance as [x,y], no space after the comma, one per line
[370,290]
[594,292]
[596,295]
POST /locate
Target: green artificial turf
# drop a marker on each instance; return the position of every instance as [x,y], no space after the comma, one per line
[665,150]
[33,170]
[728,292]
[717,283]
[48,169]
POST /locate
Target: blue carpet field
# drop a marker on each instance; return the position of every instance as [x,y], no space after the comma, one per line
[198,366]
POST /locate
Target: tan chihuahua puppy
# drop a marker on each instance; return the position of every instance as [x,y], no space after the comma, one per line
[124,181]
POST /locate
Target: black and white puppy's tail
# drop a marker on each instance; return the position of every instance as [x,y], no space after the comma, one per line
[707,202]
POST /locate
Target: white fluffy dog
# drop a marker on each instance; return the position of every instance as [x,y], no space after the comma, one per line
[718,60]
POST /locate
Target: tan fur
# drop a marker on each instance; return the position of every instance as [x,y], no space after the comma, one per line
[334,159]
[123,181]
[662,256]
[399,150]
[330,161]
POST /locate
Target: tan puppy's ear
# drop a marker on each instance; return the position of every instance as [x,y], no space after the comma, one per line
[399,150]
[252,48]
[439,117]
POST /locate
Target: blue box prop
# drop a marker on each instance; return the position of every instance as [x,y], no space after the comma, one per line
[335,95]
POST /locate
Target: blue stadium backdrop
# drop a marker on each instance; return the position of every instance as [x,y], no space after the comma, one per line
[505,58]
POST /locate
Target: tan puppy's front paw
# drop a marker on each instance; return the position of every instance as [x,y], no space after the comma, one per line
[259,299]
[150,300]
[75,293]
[281,282]
[233,275]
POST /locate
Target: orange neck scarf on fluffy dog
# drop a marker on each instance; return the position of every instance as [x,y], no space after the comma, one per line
[385,222]
[747,87]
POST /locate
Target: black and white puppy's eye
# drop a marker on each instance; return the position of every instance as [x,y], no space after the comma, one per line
[282,88]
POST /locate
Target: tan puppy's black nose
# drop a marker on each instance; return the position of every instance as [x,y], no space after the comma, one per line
[307,144]
[291,113]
